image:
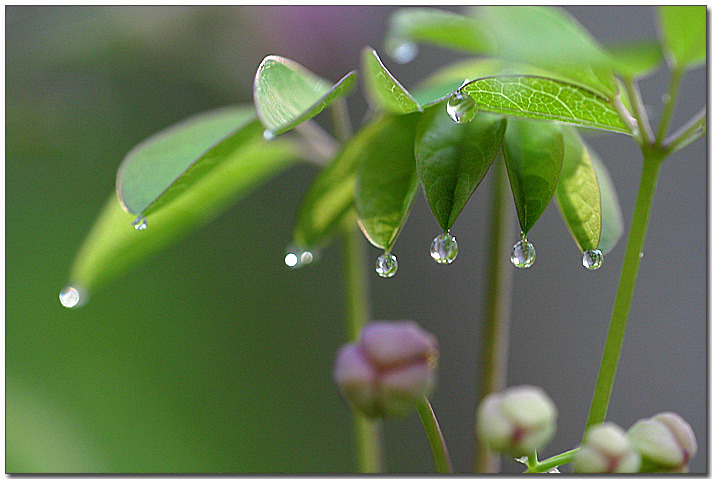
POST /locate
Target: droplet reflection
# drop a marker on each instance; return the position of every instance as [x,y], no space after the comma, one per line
[592,259]
[523,254]
[72,297]
[297,257]
[461,107]
[386,265]
[443,249]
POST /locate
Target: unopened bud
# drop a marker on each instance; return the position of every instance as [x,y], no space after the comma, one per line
[666,442]
[517,421]
[389,370]
[606,449]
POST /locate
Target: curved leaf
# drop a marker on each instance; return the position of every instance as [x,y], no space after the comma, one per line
[287,94]
[683,31]
[636,59]
[386,182]
[611,215]
[545,98]
[331,196]
[151,167]
[533,152]
[437,27]
[382,90]
[453,158]
[112,246]
[577,193]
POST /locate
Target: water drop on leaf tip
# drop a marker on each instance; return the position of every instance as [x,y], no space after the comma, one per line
[140,223]
[405,52]
[386,265]
[523,254]
[268,135]
[592,259]
[72,297]
[461,107]
[444,248]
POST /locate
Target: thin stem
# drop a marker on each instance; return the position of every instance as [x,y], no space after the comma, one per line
[688,132]
[552,462]
[367,432]
[671,101]
[641,116]
[495,340]
[340,120]
[435,437]
[652,158]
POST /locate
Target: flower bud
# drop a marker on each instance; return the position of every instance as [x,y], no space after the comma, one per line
[517,421]
[389,370]
[666,442]
[606,449]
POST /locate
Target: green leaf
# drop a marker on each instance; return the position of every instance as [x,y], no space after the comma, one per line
[636,59]
[437,27]
[331,196]
[577,193]
[113,246]
[387,182]
[533,152]
[150,168]
[382,90]
[683,31]
[550,38]
[286,94]
[453,158]
[611,215]
[545,98]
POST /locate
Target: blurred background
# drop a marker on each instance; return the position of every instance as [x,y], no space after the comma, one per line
[213,357]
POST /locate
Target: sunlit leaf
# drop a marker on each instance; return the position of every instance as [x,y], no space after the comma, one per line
[577,193]
[153,166]
[287,94]
[636,59]
[387,181]
[684,34]
[545,98]
[382,89]
[452,159]
[113,246]
[533,152]
[611,215]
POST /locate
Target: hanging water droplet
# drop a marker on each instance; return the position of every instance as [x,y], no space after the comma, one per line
[404,52]
[72,297]
[523,253]
[592,259]
[140,223]
[461,107]
[268,135]
[443,249]
[297,257]
[386,265]
[641,254]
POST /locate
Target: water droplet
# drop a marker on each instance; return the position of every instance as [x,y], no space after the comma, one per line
[641,254]
[592,259]
[386,265]
[461,107]
[297,257]
[140,223]
[443,249]
[523,254]
[72,297]
[268,135]
[404,52]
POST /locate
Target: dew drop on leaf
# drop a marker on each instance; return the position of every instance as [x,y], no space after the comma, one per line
[523,254]
[268,135]
[404,52]
[592,259]
[140,223]
[461,107]
[443,249]
[386,265]
[297,257]
[72,297]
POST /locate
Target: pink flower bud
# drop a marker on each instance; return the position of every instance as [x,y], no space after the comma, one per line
[606,449]
[666,442]
[389,370]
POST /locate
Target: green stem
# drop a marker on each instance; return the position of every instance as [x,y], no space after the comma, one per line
[552,462]
[689,132]
[367,432]
[675,79]
[435,437]
[652,158]
[498,277]
[639,113]
[340,120]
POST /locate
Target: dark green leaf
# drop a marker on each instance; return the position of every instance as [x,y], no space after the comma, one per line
[684,34]
[545,98]
[331,195]
[452,159]
[286,94]
[382,89]
[577,193]
[387,181]
[438,27]
[154,165]
[636,59]
[533,152]
[113,246]
[611,215]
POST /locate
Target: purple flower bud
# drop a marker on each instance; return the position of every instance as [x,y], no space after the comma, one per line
[666,442]
[389,370]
